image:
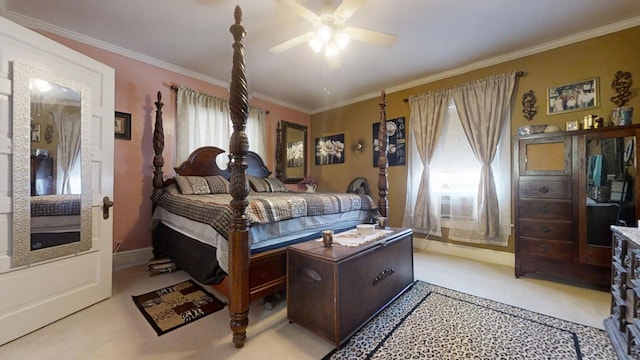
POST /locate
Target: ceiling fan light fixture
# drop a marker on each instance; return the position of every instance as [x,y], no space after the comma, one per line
[315,44]
[342,40]
[324,34]
[331,49]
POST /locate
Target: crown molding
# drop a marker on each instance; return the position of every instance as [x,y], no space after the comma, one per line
[36,24]
[568,40]
[44,26]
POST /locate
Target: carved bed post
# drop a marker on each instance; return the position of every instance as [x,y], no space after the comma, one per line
[158,145]
[383,161]
[279,152]
[239,188]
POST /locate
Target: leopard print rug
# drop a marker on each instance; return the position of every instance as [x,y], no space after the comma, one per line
[432,322]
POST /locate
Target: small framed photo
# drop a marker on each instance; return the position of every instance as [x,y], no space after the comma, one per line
[580,95]
[35,132]
[573,125]
[123,126]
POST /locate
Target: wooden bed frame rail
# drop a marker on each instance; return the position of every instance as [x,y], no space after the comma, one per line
[246,280]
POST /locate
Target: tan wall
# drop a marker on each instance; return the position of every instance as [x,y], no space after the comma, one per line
[599,57]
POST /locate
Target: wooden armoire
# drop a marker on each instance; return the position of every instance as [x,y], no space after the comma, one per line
[570,187]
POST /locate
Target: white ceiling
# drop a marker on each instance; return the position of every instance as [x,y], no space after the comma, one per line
[436,38]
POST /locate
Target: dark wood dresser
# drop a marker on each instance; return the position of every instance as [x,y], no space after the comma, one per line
[334,291]
[569,188]
[623,326]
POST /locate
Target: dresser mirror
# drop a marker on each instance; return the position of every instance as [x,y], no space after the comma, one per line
[610,169]
[293,147]
[51,166]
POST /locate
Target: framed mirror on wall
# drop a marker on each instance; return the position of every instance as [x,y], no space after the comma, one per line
[291,152]
[51,166]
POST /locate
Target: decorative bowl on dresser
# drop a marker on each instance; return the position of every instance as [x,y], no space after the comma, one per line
[333,291]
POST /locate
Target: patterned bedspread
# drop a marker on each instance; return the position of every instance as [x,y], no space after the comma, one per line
[214,209]
[55,205]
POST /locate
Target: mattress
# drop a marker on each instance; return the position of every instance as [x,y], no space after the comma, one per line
[55,224]
[262,237]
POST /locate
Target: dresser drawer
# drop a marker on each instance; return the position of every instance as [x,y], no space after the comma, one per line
[546,229]
[560,250]
[545,209]
[549,189]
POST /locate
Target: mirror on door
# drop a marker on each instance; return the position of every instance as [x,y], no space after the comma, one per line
[52,176]
[55,180]
[610,168]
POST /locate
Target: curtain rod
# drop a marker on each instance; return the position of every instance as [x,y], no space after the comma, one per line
[518,74]
[175,88]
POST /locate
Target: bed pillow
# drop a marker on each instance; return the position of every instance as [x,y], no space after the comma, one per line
[276,185]
[192,185]
[259,184]
[217,184]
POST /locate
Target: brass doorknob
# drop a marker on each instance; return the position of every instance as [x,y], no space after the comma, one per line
[106,204]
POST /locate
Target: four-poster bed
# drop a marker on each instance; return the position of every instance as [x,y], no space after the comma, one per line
[241,248]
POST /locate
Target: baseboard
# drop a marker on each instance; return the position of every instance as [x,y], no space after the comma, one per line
[125,259]
[467,252]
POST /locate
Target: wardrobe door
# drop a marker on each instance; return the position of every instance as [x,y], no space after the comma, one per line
[608,183]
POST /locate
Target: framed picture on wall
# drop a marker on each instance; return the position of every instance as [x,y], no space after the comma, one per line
[580,95]
[123,125]
[396,149]
[330,150]
[35,132]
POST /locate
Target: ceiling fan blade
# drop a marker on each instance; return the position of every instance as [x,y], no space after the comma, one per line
[348,8]
[300,10]
[373,37]
[292,42]
[334,62]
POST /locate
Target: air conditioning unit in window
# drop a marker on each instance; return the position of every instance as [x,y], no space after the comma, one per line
[457,207]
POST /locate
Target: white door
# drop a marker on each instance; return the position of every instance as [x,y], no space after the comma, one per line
[37,294]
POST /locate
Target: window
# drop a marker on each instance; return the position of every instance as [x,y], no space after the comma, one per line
[455,177]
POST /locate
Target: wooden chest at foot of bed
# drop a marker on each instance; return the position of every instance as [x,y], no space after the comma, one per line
[334,291]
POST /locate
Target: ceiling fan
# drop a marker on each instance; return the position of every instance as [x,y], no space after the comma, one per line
[330,31]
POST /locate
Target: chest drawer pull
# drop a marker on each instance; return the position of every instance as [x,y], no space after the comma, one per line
[544,189]
[544,247]
[544,229]
[383,275]
[309,275]
[544,209]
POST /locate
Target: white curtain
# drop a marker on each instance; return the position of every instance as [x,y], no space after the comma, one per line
[68,126]
[483,107]
[455,178]
[205,120]
[257,131]
[202,120]
[427,113]
[464,182]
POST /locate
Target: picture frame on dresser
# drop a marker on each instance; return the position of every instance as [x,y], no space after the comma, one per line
[573,125]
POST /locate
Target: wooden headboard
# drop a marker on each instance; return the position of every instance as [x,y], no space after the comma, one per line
[257,167]
[202,162]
